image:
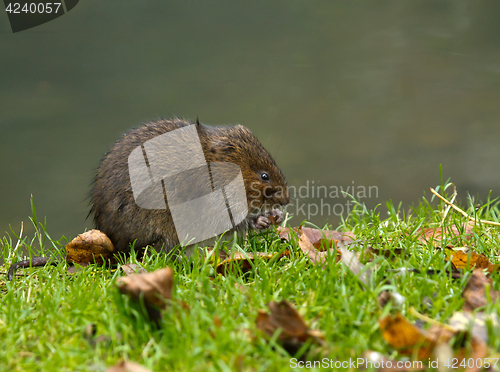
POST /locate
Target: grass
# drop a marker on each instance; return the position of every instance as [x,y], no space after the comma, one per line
[43,315]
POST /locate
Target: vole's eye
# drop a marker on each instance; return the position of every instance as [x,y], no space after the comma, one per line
[264,176]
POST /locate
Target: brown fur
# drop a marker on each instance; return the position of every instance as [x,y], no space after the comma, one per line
[118,216]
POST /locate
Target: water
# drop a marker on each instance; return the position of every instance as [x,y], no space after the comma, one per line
[343,94]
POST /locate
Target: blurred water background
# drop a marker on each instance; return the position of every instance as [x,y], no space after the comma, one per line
[344,93]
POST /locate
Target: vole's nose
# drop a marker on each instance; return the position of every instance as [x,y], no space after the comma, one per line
[285,199]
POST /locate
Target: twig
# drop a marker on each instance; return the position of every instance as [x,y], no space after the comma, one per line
[486,222]
[453,196]
[426,319]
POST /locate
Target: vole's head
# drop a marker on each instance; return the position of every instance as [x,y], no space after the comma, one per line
[264,183]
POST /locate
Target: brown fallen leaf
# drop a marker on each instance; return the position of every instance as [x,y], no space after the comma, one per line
[244,261]
[130,269]
[409,339]
[350,259]
[127,366]
[153,287]
[387,253]
[435,236]
[441,333]
[219,255]
[284,233]
[406,337]
[322,240]
[364,274]
[316,256]
[352,262]
[317,244]
[89,247]
[475,291]
[294,330]
[432,347]
[470,259]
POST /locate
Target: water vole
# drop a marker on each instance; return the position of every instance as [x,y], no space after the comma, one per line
[117,214]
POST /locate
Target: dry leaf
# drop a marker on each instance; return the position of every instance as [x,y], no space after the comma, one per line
[405,337]
[475,291]
[435,236]
[317,244]
[153,287]
[408,339]
[352,262]
[294,330]
[316,256]
[89,247]
[470,259]
[244,259]
[127,366]
[321,239]
[350,259]
[441,333]
[130,269]
[387,253]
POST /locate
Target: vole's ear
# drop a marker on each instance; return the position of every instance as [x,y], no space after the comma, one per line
[197,123]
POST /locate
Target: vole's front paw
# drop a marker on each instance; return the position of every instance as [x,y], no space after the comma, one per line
[276,216]
[272,217]
[261,223]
